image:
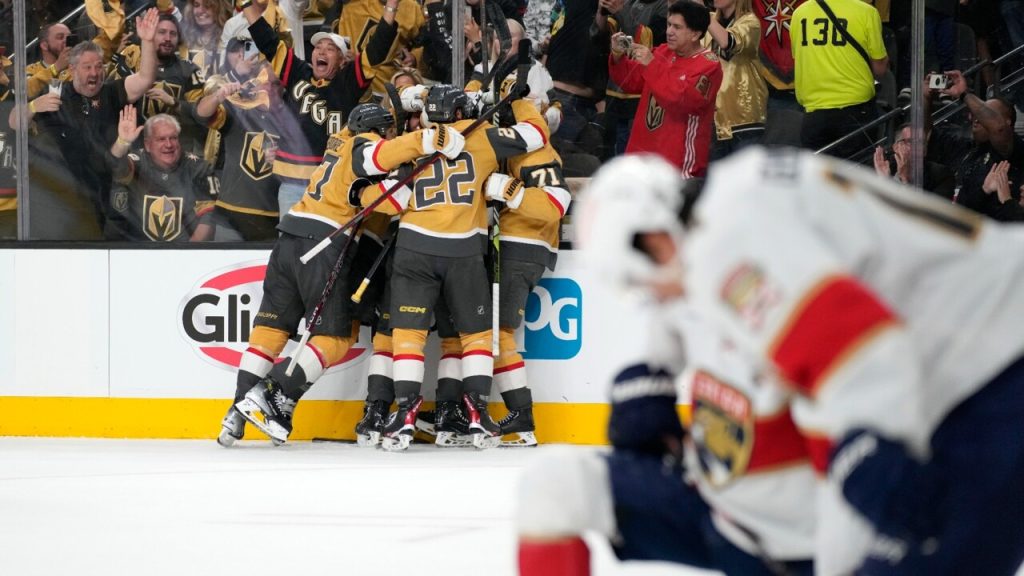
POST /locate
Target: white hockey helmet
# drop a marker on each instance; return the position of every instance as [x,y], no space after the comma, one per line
[628,196]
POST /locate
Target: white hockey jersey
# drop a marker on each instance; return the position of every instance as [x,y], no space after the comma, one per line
[878,305]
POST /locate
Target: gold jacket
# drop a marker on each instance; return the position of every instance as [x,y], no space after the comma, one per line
[743,98]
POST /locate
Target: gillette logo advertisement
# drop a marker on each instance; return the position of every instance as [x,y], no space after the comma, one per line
[216,315]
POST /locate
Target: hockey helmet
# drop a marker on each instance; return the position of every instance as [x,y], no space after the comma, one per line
[630,196]
[370,117]
[442,102]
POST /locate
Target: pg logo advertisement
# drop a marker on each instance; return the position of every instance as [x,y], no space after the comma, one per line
[554,320]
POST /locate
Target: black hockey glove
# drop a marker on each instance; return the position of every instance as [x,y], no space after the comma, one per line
[898,495]
[644,417]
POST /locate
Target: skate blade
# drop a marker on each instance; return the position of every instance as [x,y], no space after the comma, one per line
[251,411]
[519,440]
[399,443]
[225,438]
[368,440]
[485,442]
[452,440]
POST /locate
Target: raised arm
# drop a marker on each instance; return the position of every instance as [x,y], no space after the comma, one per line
[135,86]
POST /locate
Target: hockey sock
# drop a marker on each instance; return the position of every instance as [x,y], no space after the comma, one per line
[509,368]
[265,344]
[380,383]
[477,362]
[562,557]
[408,365]
[449,371]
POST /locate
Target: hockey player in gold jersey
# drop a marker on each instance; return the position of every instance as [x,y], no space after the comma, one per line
[266,395]
[439,251]
[530,226]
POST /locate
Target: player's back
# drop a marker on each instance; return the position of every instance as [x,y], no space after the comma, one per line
[774,228]
[447,214]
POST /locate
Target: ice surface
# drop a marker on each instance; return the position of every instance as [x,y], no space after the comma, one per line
[79,507]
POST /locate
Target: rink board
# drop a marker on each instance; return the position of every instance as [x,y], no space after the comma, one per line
[144,344]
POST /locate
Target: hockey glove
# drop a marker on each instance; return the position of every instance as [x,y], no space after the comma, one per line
[897,494]
[644,417]
[443,139]
[553,115]
[504,188]
[412,98]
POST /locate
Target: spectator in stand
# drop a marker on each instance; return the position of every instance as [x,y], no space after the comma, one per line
[178,85]
[81,120]
[997,183]
[160,195]
[992,141]
[678,82]
[201,26]
[835,72]
[644,20]
[938,178]
[358,22]
[53,62]
[245,105]
[320,94]
[775,51]
[238,27]
[579,71]
[742,103]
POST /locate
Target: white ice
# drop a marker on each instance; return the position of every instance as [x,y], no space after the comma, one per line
[77,507]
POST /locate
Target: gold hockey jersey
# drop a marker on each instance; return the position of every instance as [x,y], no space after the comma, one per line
[531,232]
[446,214]
[359,19]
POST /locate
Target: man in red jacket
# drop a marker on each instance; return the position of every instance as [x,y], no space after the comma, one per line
[678,82]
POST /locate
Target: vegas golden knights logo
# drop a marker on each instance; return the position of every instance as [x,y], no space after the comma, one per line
[655,114]
[152,107]
[162,217]
[254,154]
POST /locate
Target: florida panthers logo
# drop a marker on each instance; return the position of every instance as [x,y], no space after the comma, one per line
[655,116]
[723,428]
[254,154]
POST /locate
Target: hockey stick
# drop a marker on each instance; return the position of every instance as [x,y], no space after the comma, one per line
[484,117]
[357,296]
[315,315]
[522,71]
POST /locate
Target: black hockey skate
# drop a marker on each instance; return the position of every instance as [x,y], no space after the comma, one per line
[401,425]
[452,426]
[520,423]
[485,431]
[232,428]
[268,409]
[425,422]
[370,428]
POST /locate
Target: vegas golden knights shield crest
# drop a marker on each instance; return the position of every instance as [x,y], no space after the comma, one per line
[254,154]
[162,217]
[151,107]
[655,114]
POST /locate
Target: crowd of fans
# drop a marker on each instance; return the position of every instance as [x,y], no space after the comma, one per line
[234,104]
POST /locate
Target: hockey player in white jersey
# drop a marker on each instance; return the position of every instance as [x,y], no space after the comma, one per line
[740,502]
[896,319]
[891,321]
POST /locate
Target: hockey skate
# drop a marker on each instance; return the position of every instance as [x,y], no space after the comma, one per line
[401,425]
[485,432]
[268,409]
[370,428]
[520,424]
[232,428]
[452,426]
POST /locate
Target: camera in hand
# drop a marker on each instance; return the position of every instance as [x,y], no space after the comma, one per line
[938,81]
[625,42]
[71,40]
